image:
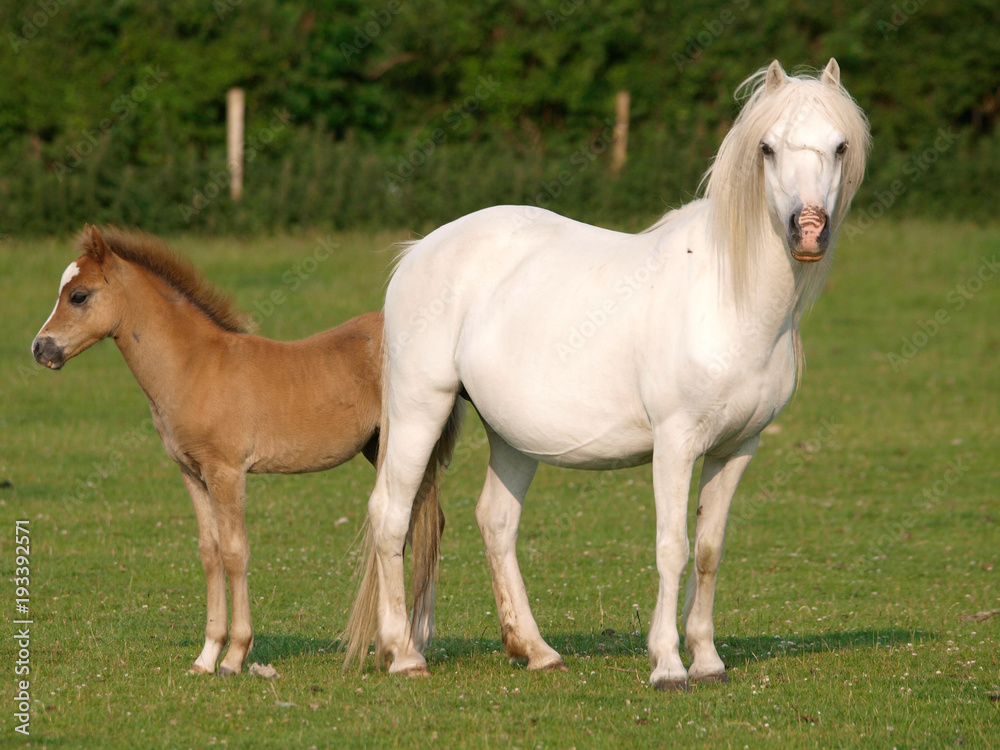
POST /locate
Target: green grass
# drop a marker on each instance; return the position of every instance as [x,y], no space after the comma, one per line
[864,534]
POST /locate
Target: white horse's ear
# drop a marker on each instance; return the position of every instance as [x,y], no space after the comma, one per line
[775,77]
[831,73]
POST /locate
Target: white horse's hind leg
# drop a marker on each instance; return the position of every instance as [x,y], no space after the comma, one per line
[216,627]
[498,514]
[719,478]
[413,432]
[422,625]
[671,483]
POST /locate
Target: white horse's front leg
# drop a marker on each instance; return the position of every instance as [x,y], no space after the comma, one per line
[671,483]
[719,478]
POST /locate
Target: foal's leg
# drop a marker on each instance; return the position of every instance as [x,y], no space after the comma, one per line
[498,514]
[413,432]
[719,478]
[216,631]
[671,482]
[227,489]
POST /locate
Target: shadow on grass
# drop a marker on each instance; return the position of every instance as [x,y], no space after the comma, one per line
[735,652]
[271,648]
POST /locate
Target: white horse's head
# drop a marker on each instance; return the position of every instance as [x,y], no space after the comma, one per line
[802,155]
[788,169]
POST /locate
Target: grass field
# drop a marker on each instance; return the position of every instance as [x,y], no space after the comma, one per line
[864,540]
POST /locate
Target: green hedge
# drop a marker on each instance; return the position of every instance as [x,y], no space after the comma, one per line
[398,114]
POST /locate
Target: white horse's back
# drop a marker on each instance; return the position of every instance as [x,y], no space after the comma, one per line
[542,318]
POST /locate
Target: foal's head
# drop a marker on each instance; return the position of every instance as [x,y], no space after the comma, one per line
[86,310]
[92,298]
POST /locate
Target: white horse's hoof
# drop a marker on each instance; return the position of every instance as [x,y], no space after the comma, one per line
[708,679]
[550,666]
[672,686]
[417,670]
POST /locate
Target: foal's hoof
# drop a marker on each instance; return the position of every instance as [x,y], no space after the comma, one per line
[711,679]
[198,669]
[672,686]
[224,671]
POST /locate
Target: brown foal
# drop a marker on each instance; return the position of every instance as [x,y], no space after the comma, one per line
[223,401]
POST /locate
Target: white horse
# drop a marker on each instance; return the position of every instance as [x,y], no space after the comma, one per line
[593,349]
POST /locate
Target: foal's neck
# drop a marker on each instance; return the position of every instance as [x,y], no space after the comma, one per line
[161,334]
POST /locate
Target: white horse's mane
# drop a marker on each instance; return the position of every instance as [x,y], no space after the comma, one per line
[734,184]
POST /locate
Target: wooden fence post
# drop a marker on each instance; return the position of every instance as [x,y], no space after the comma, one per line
[235,106]
[619,152]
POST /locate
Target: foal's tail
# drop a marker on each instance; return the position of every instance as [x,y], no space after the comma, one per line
[424,536]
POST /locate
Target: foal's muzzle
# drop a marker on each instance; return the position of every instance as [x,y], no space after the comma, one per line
[47,352]
[809,233]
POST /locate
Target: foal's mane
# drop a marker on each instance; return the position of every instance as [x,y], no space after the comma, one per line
[153,255]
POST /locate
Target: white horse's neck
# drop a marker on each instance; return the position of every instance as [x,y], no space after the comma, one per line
[771,302]
[774,292]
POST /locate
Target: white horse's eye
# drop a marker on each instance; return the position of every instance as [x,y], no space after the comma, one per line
[766,150]
[842,148]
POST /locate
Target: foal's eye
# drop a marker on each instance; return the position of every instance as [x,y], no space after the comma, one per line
[766,150]
[79,297]
[842,148]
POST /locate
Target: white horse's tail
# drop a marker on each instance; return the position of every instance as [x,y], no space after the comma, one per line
[424,537]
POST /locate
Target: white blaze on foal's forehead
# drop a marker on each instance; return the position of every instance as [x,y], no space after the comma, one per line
[71,272]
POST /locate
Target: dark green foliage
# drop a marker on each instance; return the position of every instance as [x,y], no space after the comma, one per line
[408,114]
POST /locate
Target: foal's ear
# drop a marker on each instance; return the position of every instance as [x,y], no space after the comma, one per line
[775,78]
[831,73]
[96,248]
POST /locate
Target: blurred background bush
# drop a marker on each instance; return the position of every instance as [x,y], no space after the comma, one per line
[406,114]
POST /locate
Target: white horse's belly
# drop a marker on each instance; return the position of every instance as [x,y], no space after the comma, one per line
[589,415]
[579,436]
